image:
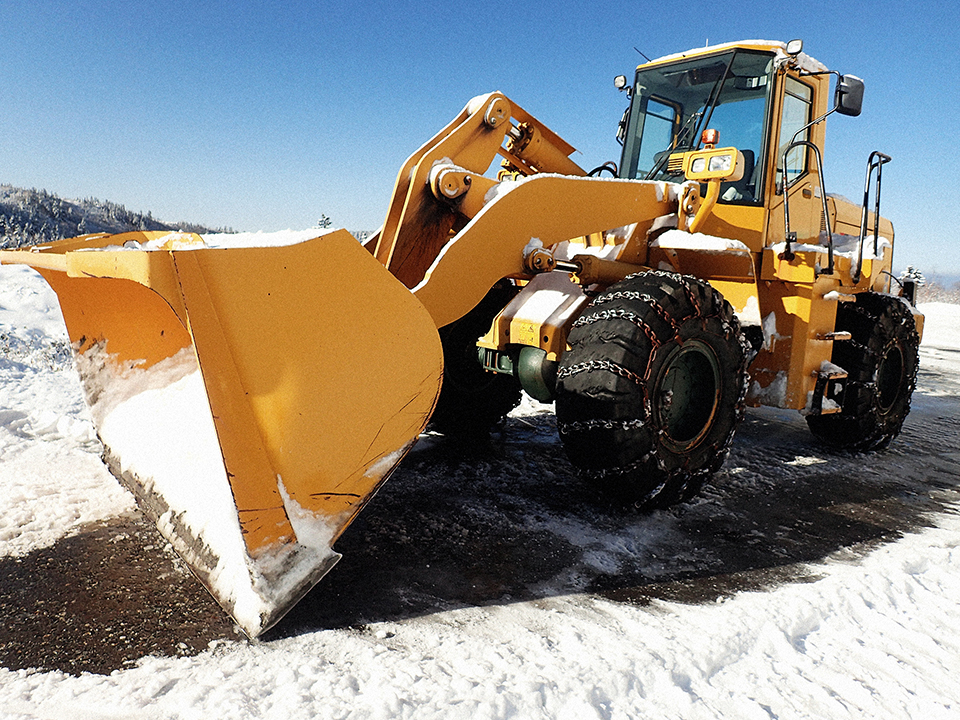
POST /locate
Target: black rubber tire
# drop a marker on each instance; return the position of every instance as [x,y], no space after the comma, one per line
[881,360]
[652,389]
[473,400]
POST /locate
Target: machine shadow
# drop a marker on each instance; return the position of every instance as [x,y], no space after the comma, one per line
[101,599]
[459,526]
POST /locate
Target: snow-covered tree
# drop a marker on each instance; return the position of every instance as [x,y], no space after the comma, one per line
[912,273]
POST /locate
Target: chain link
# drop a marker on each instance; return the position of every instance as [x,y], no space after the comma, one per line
[587,425]
[630,317]
[645,298]
[592,365]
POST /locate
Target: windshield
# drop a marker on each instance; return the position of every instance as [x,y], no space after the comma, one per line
[673,104]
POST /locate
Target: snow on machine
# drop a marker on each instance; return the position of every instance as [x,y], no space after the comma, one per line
[254,398]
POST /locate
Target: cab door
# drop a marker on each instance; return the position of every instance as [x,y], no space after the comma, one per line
[797,107]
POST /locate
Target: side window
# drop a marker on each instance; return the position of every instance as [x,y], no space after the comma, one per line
[658,127]
[797,108]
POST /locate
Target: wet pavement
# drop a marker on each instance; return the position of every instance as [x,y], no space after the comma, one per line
[101,599]
[459,527]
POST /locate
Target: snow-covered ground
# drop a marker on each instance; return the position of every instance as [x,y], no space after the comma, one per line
[799,617]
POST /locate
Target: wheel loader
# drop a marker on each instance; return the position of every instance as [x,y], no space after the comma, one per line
[240,392]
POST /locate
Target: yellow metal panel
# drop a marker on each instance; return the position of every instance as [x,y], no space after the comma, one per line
[746,223]
[302,361]
[802,269]
[707,264]
[539,316]
[794,348]
[797,305]
[742,295]
[97,311]
[547,208]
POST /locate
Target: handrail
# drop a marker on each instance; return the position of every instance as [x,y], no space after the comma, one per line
[876,160]
[789,236]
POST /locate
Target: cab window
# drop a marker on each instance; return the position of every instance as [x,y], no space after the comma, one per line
[659,121]
[797,112]
[673,103]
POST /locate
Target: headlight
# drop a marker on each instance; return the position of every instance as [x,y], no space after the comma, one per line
[721,163]
[713,164]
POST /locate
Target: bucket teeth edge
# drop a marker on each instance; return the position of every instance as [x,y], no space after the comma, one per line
[279,579]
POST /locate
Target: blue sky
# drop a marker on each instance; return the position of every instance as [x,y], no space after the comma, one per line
[265,115]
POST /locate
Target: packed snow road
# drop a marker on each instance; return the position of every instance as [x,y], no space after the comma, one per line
[489,583]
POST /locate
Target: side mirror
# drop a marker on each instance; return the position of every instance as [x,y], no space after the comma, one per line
[622,126]
[849,95]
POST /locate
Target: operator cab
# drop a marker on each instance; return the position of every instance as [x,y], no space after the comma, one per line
[674,102]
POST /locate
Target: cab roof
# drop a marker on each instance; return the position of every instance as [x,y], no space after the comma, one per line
[806,62]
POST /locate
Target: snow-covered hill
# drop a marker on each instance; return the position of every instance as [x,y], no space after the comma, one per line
[29,216]
[801,584]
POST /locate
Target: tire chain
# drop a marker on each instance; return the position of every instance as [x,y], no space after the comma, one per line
[641,464]
[645,298]
[685,284]
[587,425]
[627,315]
[591,365]
[729,325]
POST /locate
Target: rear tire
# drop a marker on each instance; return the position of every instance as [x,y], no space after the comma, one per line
[881,361]
[473,400]
[652,389]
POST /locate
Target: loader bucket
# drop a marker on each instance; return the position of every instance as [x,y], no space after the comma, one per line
[253,399]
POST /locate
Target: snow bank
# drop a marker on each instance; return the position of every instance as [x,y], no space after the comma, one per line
[51,477]
[940,350]
[263,239]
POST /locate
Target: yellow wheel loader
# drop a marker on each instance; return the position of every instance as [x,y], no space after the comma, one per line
[240,392]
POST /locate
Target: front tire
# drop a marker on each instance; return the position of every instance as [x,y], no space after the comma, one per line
[652,389]
[881,360]
[473,400]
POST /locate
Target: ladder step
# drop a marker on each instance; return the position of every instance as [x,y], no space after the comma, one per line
[838,335]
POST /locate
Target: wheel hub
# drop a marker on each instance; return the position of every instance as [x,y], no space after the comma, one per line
[889,378]
[687,394]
